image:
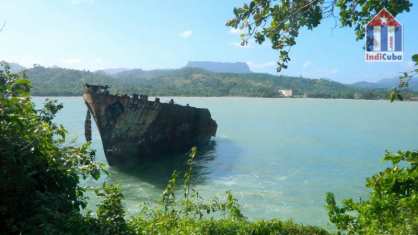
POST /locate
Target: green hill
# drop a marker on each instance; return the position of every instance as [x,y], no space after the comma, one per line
[189,82]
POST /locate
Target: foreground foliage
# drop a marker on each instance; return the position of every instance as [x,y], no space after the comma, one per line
[40,175]
[191,214]
[392,206]
[39,172]
[398,93]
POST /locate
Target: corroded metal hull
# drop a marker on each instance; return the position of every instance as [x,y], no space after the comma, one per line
[133,128]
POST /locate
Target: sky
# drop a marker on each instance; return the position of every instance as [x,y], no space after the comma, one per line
[155,34]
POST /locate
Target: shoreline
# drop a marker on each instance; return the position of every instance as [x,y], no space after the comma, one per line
[230,97]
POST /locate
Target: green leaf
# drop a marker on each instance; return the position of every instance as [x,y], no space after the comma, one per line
[415,59]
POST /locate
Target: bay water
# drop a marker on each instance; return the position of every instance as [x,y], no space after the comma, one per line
[277,156]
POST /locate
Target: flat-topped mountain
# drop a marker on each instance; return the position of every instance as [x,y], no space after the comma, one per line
[220,67]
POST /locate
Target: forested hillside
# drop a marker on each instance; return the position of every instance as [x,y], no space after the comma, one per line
[190,82]
[388,83]
[220,67]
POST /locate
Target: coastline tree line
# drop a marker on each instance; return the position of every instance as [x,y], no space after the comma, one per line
[193,82]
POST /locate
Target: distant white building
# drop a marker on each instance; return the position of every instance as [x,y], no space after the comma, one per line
[286,93]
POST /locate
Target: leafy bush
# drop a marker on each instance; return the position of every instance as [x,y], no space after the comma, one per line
[194,215]
[392,206]
[39,171]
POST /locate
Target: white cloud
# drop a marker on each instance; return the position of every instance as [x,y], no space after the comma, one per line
[186,34]
[265,65]
[332,72]
[307,64]
[236,31]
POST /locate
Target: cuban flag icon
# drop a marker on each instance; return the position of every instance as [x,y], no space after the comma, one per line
[384,38]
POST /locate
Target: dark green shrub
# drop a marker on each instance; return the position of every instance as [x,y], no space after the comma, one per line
[392,206]
[39,172]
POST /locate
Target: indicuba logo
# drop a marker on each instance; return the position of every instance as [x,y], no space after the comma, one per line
[384,39]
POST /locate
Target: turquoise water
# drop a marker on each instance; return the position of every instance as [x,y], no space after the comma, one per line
[278,156]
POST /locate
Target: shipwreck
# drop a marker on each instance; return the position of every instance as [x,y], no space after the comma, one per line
[135,128]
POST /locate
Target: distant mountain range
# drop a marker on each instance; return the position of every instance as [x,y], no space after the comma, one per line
[386,84]
[220,67]
[193,81]
[216,67]
[112,71]
[14,67]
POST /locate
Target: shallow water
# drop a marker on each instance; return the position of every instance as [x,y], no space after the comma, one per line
[278,156]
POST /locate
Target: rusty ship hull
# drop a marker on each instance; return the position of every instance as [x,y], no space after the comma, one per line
[134,128]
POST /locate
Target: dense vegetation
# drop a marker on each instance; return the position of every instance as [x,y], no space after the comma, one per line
[40,191]
[190,82]
[39,176]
